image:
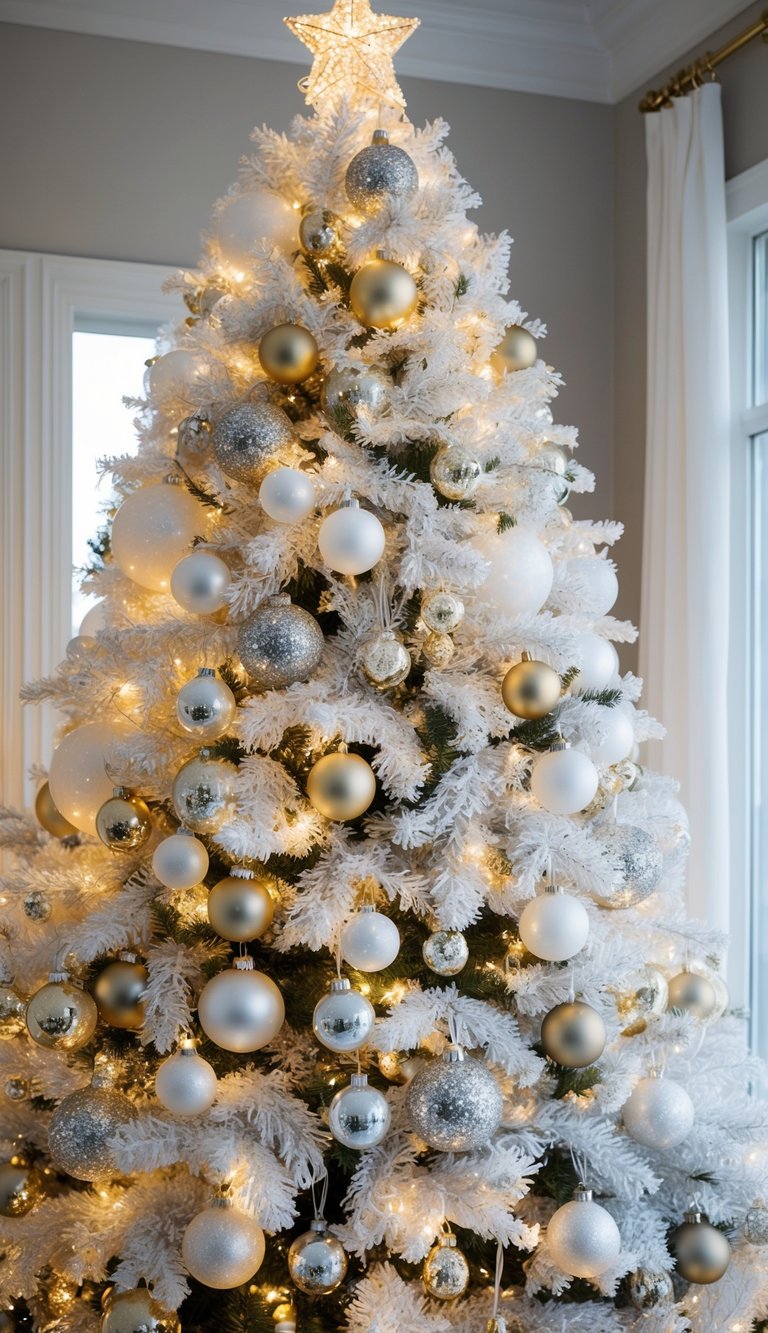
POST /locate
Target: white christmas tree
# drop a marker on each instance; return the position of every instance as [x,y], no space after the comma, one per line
[353,918]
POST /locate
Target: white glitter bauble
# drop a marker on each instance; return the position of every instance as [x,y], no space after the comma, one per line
[520,575]
[317,1262]
[205,706]
[202,792]
[446,1272]
[222,1247]
[617,739]
[598,663]
[555,926]
[354,387]
[82,1128]
[246,439]
[442,612]
[455,474]
[185,1083]
[351,539]
[582,1236]
[152,530]
[279,644]
[241,1009]
[454,1103]
[78,778]
[343,1019]
[257,215]
[199,583]
[378,173]
[649,1288]
[563,780]
[359,1115]
[385,660]
[638,860]
[370,941]
[445,952]
[181,861]
[756,1223]
[599,584]
[287,495]
[169,379]
[658,1113]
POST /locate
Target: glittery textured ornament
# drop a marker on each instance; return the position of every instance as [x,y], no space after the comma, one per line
[702,1252]
[756,1223]
[37,905]
[573,1035]
[445,952]
[137,1311]
[517,350]
[353,49]
[61,1016]
[202,792]
[531,689]
[638,860]
[320,233]
[442,611]
[241,1009]
[582,1236]
[222,1247]
[123,823]
[279,644]
[317,1262]
[82,1128]
[455,473]
[382,294]
[658,1113]
[454,1103]
[21,1187]
[649,1288]
[693,993]
[343,1019]
[12,1009]
[119,993]
[356,386]
[644,999]
[446,1272]
[205,706]
[385,660]
[247,437]
[50,817]
[438,650]
[288,353]
[359,1115]
[241,907]
[378,173]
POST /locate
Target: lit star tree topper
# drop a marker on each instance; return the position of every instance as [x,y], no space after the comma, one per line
[353,50]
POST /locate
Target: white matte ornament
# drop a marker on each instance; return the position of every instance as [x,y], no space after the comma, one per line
[287,495]
[222,1247]
[351,539]
[151,532]
[658,1113]
[563,780]
[185,1083]
[370,941]
[521,572]
[199,583]
[168,380]
[241,1009]
[618,737]
[582,1236]
[555,926]
[600,584]
[598,662]
[359,1115]
[181,861]
[78,778]
[255,216]
[205,706]
[94,621]
[343,1019]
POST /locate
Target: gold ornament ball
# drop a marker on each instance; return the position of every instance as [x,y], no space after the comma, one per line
[516,351]
[692,993]
[438,650]
[21,1187]
[446,1272]
[702,1252]
[241,907]
[119,992]
[123,823]
[531,689]
[288,353]
[341,786]
[49,815]
[573,1035]
[442,611]
[61,1016]
[385,660]
[137,1312]
[383,294]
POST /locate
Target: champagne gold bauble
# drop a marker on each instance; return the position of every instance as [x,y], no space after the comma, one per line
[383,294]
[317,1262]
[241,1009]
[61,1016]
[446,1272]
[702,1252]
[438,650]
[573,1035]
[50,817]
[398,1067]
[320,233]
[21,1187]
[119,992]
[241,907]
[123,823]
[516,351]
[385,660]
[202,792]
[531,689]
[692,993]
[82,1129]
[454,473]
[137,1312]
[356,386]
[288,353]
[341,786]
[442,612]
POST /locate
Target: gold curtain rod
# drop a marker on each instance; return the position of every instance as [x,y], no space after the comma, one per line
[694,75]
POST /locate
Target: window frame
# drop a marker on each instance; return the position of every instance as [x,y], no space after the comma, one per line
[43,299]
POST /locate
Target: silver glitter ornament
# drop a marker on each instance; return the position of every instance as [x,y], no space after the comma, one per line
[317,1262]
[205,706]
[445,952]
[61,1016]
[446,1272]
[202,792]
[638,860]
[356,386]
[455,473]
[756,1223]
[454,1103]
[702,1252]
[649,1288]
[137,1311]
[359,1115]
[385,660]
[82,1128]
[320,233]
[442,611]
[247,437]
[222,1247]
[379,172]
[123,823]
[37,905]
[343,1019]
[279,644]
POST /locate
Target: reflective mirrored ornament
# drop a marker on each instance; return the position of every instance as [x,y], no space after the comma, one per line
[241,907]
[370,941]
[554,926]
[359,1115]
[445,1273]
[756,1223]
[341,786]
[531,689]
[702,1252]
[61,1016]
[137,1311]
[21,1187]
[644,999]
[279,644]
[438,650]
[185,1083]
[517,350]
[356,386]
[455,474]
[193,437]
[181,861]
[123,822]
[383,294]
[205,706]
[551,458]
[658,1113]
[573,1035]
[82,1129]
[119,992]
[343,1019]
[317,1262]
[379,173]
[445,952]
[563,780]
[582,1237]
[153,529]
[199,583]
[248,437]
[202,792]
[442,611]
[288,353]
[49,815]
[37,905]
[649,1288]
[385,660]
[320,233]
[241,1009]
[454,1103]
[638,861]
[223,1247]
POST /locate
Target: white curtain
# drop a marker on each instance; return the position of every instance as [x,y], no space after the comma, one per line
[684,614]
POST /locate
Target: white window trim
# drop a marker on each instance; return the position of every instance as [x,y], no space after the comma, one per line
[43,298]
[747,207]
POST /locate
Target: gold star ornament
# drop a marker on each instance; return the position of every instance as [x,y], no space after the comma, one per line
[353,50]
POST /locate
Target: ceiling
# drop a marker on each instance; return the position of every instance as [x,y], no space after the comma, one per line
[596,50]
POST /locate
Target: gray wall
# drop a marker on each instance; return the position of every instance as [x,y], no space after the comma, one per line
[119,148]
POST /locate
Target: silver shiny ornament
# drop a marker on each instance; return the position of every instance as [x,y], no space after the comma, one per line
[61,1016]
[317,1261]
[442,611]
[455,473]
[356,386]
[385,660]
[37,905]
[279,644]
[223,1247]
[446,1272]
[199,583]
[454,1103]
[320,233]
[193,437]
[137,1311]
[123,823]
[445,952]
[21,1187]
[756,1223]
[205,706]
[12,1011]
[359,1115]
[246,438]
[692,993]
[202,792]
[241,1009]
[82,1128]
[378,173]
[644,999]
[185,1083]
[573,1035]
[638,860]
[702,1252]
[553,459]
[343,1019]
[649,1288]
[119,993]
[16,1088]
